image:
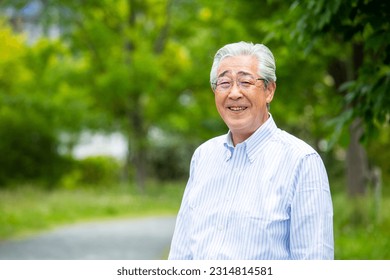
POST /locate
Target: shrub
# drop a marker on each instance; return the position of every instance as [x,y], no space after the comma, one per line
[96,171]
[29,149]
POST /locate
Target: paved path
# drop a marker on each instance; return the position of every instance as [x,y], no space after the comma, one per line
[131,239]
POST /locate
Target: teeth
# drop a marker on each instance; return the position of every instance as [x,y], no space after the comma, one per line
[237,108]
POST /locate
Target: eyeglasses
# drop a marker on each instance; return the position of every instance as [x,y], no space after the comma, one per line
[224,84]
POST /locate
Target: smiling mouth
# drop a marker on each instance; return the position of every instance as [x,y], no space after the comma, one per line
[237,108]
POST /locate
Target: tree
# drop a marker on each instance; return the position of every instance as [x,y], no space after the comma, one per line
[38,103]
[136,66]
[127,44]
[361,73]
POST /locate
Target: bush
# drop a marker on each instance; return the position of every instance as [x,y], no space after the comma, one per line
[96,170]
[28,149]
[170,162]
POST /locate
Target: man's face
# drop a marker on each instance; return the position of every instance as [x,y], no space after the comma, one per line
[243,108]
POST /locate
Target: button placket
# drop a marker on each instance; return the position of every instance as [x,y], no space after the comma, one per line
[228,200]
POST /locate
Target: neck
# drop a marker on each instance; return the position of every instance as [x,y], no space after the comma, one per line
[239,137]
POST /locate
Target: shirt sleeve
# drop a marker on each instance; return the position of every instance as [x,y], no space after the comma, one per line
[180,242]
[311,228]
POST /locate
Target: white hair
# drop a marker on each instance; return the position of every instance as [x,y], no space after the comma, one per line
[265,58]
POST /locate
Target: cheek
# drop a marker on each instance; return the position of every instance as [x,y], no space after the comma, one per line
[219,103]
[259,103]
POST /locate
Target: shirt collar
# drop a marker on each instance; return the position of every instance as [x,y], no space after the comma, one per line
[255,142]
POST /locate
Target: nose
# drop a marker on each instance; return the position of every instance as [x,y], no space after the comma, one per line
[235,92]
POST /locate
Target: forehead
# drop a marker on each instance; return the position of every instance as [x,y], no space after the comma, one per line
[243,64]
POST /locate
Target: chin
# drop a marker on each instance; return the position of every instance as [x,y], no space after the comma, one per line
[238,127]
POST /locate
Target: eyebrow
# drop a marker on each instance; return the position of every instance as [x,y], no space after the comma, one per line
[238,73]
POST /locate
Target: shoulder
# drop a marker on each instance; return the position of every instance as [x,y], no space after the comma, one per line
[306,162]
[208,153]
[212,144]
[293,144]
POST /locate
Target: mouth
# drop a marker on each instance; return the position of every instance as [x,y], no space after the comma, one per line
[237,108]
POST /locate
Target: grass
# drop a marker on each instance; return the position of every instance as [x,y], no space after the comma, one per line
[361,228]
[29,209]
[361,225]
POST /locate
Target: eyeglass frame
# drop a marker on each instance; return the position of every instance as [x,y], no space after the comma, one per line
[214,84]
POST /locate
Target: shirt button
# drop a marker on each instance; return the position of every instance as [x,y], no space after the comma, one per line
[220,228]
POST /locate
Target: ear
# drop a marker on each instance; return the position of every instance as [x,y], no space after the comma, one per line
[270,90]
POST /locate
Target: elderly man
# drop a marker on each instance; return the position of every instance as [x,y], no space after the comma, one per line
[257,192]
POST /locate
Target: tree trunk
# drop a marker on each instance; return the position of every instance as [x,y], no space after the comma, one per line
[136,127]
[138,144]
[140,150]
[357,163]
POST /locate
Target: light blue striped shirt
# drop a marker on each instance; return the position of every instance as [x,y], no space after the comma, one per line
[266,198]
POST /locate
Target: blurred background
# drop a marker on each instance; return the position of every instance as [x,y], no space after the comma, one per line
[103,102]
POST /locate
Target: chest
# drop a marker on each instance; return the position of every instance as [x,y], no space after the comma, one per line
[239,188]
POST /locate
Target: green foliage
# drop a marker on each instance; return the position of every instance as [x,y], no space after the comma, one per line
[363,28]
[36,105]
[379,152]
[94,172]
[369,96]
[139,66]
[360,227]
[28,148]
[169,158]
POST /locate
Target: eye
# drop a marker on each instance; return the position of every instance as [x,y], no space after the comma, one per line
[224,84]
[246,83]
